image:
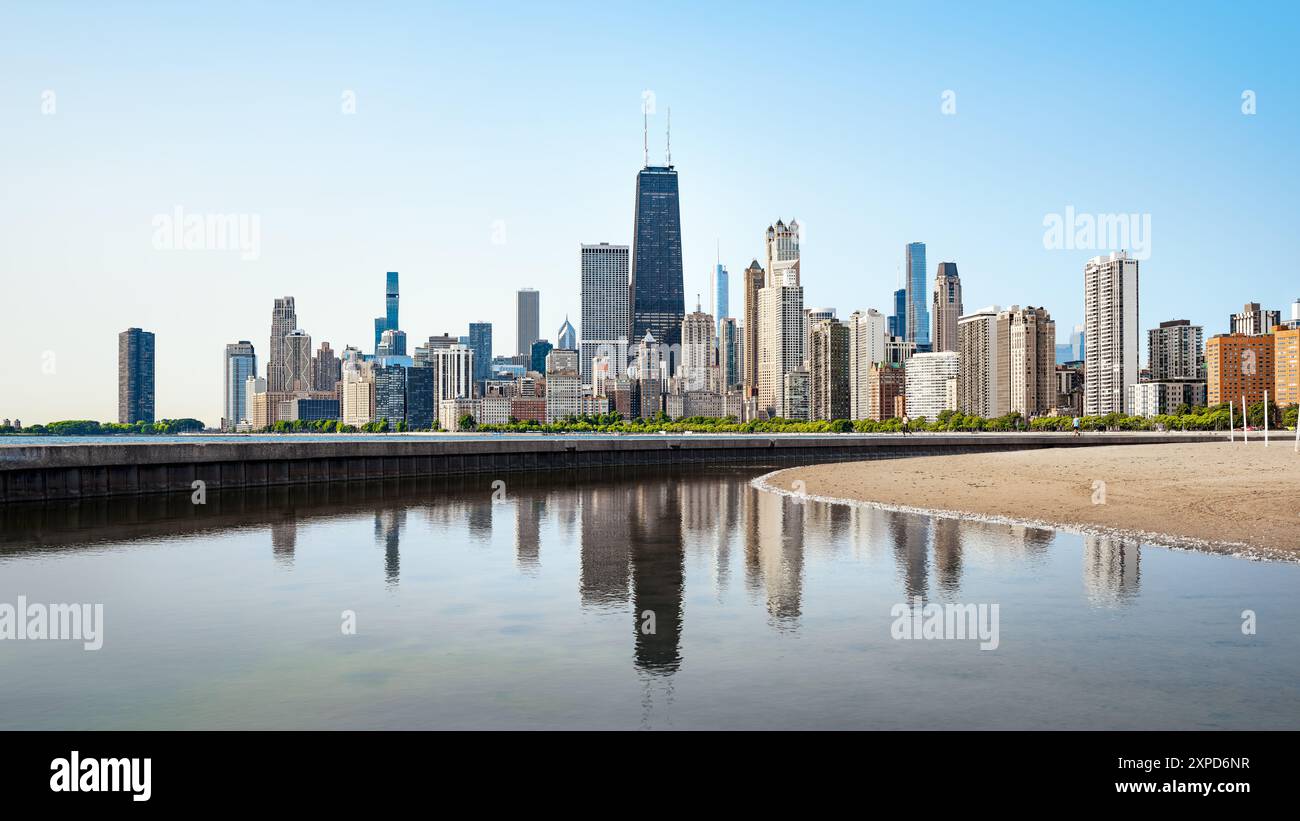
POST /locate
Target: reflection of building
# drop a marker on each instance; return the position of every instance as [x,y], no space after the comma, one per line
[1110,569]
[947,553]
[388,533]
[528,532]
[780,548]
[606,540]
[284,539]
[658,574]
[911,537]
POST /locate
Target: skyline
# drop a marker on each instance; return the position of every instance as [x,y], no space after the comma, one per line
[427,183]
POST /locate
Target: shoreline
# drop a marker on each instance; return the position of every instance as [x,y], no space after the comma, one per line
[852,484]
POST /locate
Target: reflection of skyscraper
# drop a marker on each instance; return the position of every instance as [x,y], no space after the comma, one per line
[1111,572]
[947,553]
[606,537]
[781,554]
[528,531]
[911,538]
[388,533]
[658,575]
[284,540]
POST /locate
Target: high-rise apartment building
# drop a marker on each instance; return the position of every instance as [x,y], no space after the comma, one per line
[946,307]
[1237,366]
[135,376]
[390,394]
[563,385]
[1174,351]
[978,387]
[358,393]
[1026,360]
[780,327]
[918,316]
[606,306]
[885,384]
[697,370]
[931,380]
[755,280]
[421,411]
[867,333]
[1110,311]
[811,316]
[829,370]
[1254,320]
[284,319]
[796,396]
[241,364]
[453,372]
[528,320]
[326,370]
[1286,366]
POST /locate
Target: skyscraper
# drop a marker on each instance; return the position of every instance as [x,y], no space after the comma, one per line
[388,322]
[780,319]
[1026,360]
[480,342]
[563,385]
[698,340]
[390,394]
[978,370]
[1110,321]
[866,347]
[829,370]
[606,315]
[241,363]
[754,281]
[135,376]
[325,369]
[729,353]
[946,306]
[658,299]
[297,360]
[917,315]
[528,321]
[284,319]
[931,380]
[898,319]
[537,355]
[1175,352]
[721,293]
[567,337]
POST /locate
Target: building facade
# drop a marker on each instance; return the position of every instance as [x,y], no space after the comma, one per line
[829,370]
[917,322]
[606,305]
[978,385]
[135,376]
[284,319]
[1239,366]
[1110,311]
[867,333]
[945,307]
[931,380]
[528,320]
[241,363]
[1254,320]
[658,299]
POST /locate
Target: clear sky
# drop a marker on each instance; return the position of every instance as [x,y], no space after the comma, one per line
[530,115]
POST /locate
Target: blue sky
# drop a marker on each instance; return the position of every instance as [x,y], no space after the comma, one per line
[529,114]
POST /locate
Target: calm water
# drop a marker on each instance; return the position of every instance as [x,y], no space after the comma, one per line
[530,611]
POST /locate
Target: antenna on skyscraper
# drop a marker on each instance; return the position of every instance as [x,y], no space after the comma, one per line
[670,137]
[645,136]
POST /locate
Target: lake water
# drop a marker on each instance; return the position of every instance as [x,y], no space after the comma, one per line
[623,600]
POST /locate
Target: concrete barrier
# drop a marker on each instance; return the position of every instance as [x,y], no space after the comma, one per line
[73,471]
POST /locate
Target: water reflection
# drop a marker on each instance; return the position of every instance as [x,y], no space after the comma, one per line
[633,536]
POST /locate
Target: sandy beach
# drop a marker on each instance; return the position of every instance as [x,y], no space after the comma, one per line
[1219,493]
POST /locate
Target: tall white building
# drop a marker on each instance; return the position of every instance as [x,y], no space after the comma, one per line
[697,370]
[780,329]
[358,393]
[866,346]
[1110,321]
[453,375]
[931,384]
[606,311]
[563,385]
[977,375]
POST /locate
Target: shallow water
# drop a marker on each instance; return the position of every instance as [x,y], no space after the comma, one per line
[623,600]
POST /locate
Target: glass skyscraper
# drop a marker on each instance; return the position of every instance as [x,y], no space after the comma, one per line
[387,322]
[480,342]
[918,297]
[658,293]
[897,321]
[241,363]
[721,295]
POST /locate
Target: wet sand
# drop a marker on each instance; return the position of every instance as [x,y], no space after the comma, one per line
[1222,494]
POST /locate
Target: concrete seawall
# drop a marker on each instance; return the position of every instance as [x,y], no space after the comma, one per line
[73,471]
